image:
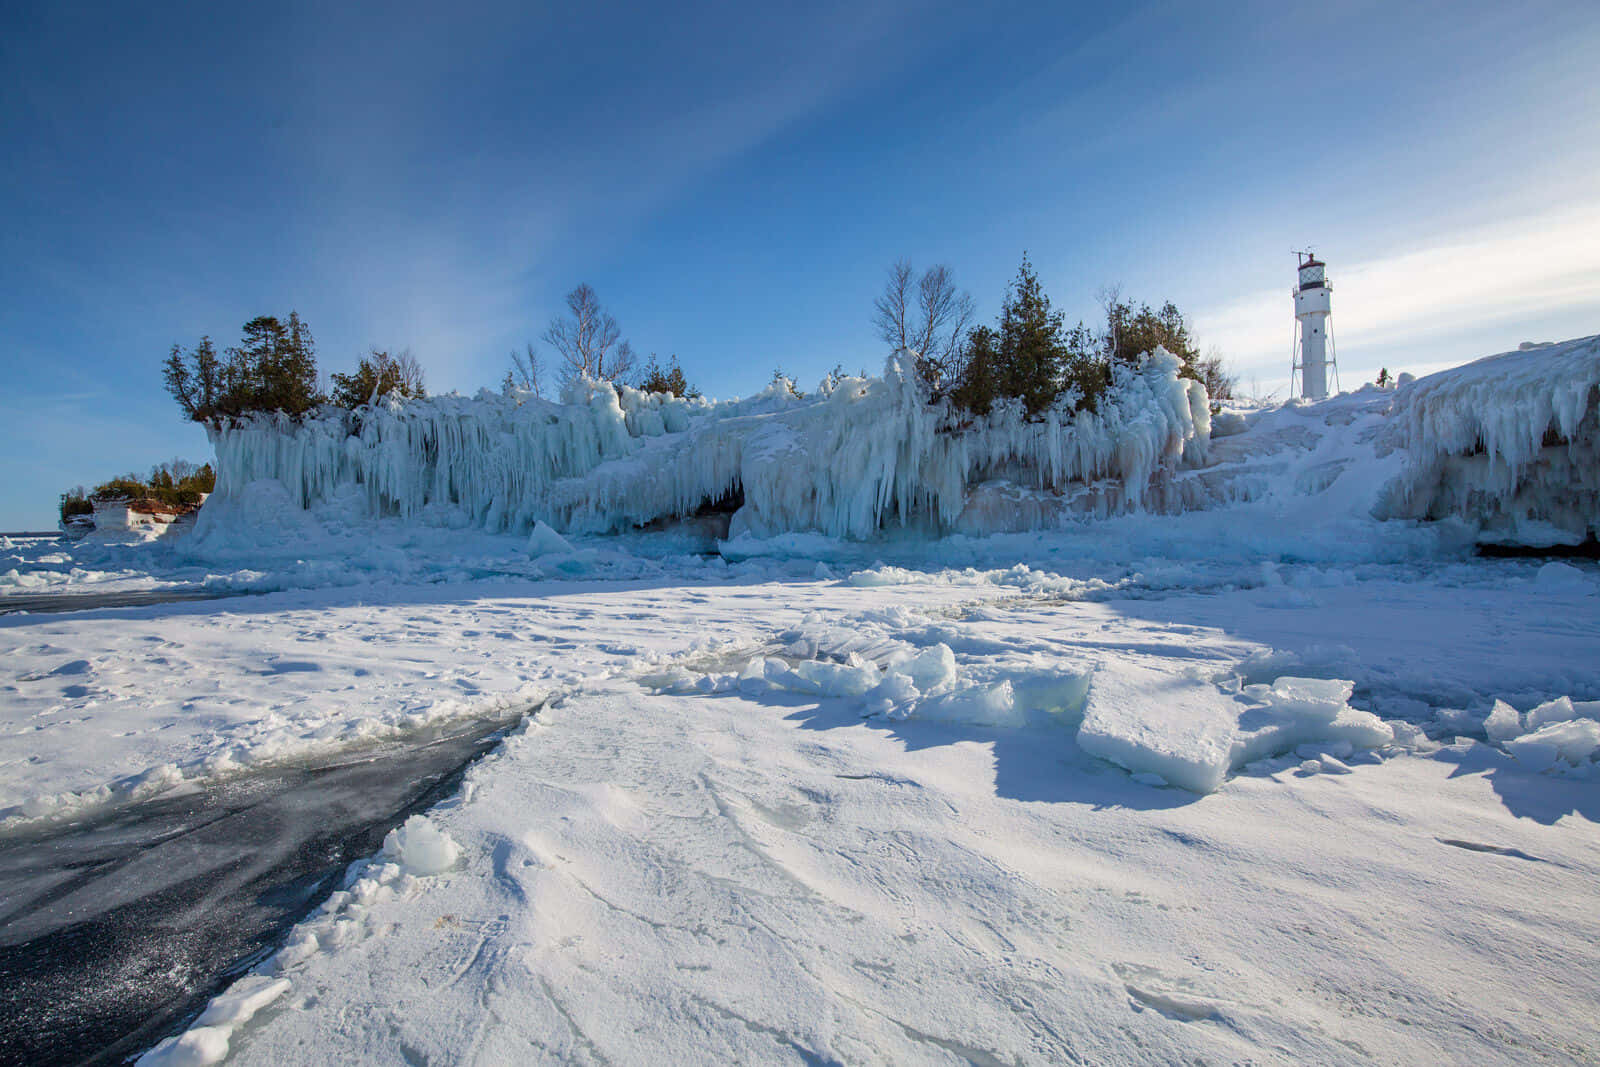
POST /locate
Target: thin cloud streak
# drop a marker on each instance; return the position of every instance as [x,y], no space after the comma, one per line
[489,265]
[1543,266]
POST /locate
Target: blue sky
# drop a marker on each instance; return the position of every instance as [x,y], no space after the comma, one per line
[733,180]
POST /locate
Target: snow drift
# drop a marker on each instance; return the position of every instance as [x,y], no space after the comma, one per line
[845,461]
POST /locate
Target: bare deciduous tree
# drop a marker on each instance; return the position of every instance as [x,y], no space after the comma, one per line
[1212,372]
[527,371]
[928,318]
[1109,297]
[409,373]
[587,339]
[894,305]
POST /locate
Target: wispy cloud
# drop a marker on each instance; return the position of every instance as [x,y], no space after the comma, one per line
[1530,271]
[521,213]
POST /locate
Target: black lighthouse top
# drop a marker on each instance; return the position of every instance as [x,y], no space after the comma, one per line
[1311,271]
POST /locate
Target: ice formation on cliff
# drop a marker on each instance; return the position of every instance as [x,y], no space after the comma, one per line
[845,462]
[1510,442]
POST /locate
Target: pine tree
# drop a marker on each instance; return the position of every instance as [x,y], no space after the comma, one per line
[273,368]
[254,364]
[297,383]
[195,379]
[1132,332]
[1031,348]
[671,380]
[1087,369]
[979,384]
[379,375]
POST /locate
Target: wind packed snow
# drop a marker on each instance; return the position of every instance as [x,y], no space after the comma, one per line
[1140,737]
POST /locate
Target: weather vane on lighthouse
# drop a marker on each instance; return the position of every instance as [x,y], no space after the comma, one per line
[1313,343]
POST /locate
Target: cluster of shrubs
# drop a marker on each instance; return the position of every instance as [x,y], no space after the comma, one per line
[1029,354]
[178,486]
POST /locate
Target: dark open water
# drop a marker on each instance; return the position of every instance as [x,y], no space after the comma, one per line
[115,930]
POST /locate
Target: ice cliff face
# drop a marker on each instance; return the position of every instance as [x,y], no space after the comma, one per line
[1510,443]
[866,454]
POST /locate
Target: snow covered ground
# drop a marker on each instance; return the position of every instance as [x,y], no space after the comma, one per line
[1275,781]
[739,836]
[768,879]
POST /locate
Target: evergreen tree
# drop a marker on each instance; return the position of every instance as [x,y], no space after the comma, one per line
[1087,368]
[274,368]
[1131,332]
[671,380]
[75,502]
[378,375]
[296,383]
[195,379]
[255,363]
[1031,347]
[979,384]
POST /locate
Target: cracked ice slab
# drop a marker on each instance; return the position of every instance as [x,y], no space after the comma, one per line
[1176,725]
[1186,728]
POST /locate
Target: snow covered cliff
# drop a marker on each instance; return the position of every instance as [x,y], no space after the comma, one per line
[846,462]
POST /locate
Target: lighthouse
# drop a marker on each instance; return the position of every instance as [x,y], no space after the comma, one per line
[1314,356]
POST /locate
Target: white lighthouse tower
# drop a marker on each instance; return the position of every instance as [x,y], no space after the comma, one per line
[1313,347]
